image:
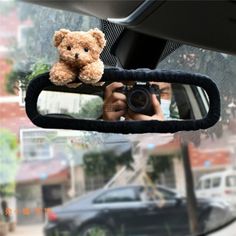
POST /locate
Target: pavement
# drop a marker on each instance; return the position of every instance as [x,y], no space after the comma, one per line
[28,230]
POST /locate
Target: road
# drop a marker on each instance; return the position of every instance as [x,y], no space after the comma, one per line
[36,230]
[32,230]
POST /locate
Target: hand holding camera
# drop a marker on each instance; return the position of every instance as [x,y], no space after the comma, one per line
[140,101]
[114,106]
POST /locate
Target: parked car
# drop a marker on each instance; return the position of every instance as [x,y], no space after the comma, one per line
[219,185]
[131,210]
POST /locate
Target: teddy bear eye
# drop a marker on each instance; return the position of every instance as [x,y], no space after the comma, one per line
[68,48]
[86,49]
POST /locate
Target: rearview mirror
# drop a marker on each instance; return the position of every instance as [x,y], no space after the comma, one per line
[171,101]
[142,101]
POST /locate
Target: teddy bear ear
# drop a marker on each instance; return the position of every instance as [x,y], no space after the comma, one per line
[99,36]
[59,35]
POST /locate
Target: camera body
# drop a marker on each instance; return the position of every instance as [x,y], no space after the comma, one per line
[139,97]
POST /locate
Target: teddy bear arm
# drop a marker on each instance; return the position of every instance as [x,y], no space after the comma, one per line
[92,72]
[61,74]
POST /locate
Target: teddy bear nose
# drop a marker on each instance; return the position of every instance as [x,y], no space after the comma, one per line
[76,55]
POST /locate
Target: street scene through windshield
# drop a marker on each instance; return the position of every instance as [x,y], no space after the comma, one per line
[66,182]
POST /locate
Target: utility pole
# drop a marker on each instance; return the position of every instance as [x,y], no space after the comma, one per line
[191,198]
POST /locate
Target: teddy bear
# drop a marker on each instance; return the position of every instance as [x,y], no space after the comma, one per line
[79,57]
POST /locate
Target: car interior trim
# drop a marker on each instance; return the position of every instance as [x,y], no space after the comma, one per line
[138,14]
[205,101]
[193,102]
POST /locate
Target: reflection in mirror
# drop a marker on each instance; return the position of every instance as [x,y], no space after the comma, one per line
[154,101]
[133,101]
[70,105]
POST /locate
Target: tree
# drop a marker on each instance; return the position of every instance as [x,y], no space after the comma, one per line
[8,162]
[105,162]
[23,74]
[159,164]
[91,108]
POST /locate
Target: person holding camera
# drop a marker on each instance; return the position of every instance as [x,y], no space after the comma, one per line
[115,103]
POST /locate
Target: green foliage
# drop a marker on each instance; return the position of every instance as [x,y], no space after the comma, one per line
[37,69]
[8,162]
[13,78]
[91,109]
[7,190]
[159,164]
[8,139]
[24,76]
[105,163]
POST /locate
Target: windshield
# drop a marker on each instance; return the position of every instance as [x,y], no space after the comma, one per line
[41,168]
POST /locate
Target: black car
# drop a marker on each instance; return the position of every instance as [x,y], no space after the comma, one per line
[131,210]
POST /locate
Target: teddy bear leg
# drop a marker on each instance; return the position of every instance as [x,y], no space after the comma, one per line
[61,74]
[92,73]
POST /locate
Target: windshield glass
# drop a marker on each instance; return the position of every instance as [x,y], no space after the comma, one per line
[41,168]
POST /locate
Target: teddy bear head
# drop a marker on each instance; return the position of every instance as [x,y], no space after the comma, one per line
[79,48]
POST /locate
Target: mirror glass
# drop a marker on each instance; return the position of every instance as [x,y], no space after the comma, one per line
[132,101]
[70,105]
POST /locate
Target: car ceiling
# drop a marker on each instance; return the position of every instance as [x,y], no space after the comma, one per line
[206,24]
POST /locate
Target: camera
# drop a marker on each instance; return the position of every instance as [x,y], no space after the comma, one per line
[139,97]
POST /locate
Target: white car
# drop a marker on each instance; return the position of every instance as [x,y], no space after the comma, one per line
[218,185]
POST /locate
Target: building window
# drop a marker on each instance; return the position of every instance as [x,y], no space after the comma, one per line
[35,144]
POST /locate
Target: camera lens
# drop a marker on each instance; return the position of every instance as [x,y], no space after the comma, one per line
[138,99]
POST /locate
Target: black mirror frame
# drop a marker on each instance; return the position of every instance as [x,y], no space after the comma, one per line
[118,75]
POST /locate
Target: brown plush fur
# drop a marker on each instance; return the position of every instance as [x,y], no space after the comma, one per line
[79,54]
